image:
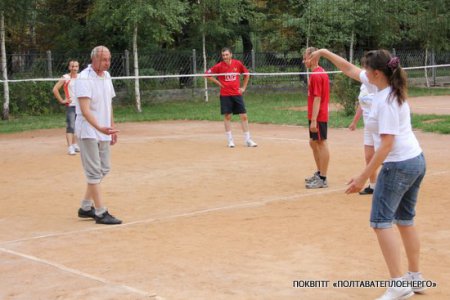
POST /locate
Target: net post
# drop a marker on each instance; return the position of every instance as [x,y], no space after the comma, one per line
[253,63]
[126,65]
[194,67]
[433,69]
[253,60]
[49,63]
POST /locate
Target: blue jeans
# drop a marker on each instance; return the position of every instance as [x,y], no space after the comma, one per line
[395,196]
[70,119]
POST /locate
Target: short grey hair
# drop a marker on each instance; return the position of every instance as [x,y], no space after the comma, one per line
[98,49]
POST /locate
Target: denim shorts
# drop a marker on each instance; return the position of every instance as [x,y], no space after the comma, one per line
[395,196]
[70,119]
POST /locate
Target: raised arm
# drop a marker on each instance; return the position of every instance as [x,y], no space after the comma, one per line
[346,67]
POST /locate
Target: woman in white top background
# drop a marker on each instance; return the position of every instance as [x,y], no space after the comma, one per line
[397,149]
[365,98]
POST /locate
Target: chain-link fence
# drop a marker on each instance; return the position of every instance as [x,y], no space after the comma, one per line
[53,65]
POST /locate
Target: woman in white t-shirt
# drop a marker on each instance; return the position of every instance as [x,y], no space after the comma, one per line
[365,98]
[397,149]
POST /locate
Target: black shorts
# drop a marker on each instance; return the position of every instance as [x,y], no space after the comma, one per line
[232,105]
[321,134]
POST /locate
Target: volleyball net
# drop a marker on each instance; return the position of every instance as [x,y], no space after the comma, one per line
[180,76]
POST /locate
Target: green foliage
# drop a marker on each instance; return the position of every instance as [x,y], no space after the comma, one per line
[32,98]
[278,25]
[346,91]
[157,21]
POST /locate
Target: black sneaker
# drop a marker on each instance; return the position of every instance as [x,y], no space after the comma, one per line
[367,191]
[107,219]
[86,213]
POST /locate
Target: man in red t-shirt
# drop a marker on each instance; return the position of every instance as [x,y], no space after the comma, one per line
[318,99]
[231,100]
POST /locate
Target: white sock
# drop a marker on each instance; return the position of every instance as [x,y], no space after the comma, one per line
[414,275]
[247,135]
[100,211]
[372,185]
[397,279]
[86,204]
[229,135]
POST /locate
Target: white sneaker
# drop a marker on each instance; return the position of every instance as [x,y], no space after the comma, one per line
[397,293]
[317,183]
[251,143]
[416,282]
[312,178]
[76,147]
[231,144]
[71,150]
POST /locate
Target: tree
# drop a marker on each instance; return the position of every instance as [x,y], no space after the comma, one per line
[226,23]
[62,26]
[130,17]
[13,15]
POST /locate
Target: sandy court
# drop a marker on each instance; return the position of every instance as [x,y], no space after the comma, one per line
[439,105]
[202,221]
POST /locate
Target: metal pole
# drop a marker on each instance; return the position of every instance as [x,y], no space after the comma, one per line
[204,56]
[194,67]
[127,63]
[253,61]
[433,63]
[49,63]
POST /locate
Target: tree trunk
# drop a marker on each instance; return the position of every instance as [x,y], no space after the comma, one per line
[205,67]
[247,44]
[136,70]
[352,41]
[5,114]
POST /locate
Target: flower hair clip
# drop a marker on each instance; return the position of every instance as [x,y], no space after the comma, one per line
[393,63]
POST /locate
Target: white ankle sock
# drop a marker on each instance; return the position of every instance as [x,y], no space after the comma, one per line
[372,185]
[86,204]
[247,135]
[100,211]
[229,135]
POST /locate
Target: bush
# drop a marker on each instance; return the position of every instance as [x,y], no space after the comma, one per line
[32,98]
[346,91]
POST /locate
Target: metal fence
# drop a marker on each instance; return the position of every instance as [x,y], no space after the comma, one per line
[164,62]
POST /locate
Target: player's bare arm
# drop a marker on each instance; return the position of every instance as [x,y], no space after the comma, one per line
[315,113]
[56,89]
[214,80]
[346,67]
[244,84]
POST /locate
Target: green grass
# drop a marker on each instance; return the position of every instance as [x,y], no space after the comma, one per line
[262,108]
[423,91]
[432,123]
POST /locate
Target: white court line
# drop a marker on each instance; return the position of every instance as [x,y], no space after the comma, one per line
[194,213]
[154,220]
[208,135]
[181,215]
[78,273]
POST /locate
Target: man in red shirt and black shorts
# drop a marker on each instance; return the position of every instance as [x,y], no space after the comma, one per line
[231,100]
[318,99]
